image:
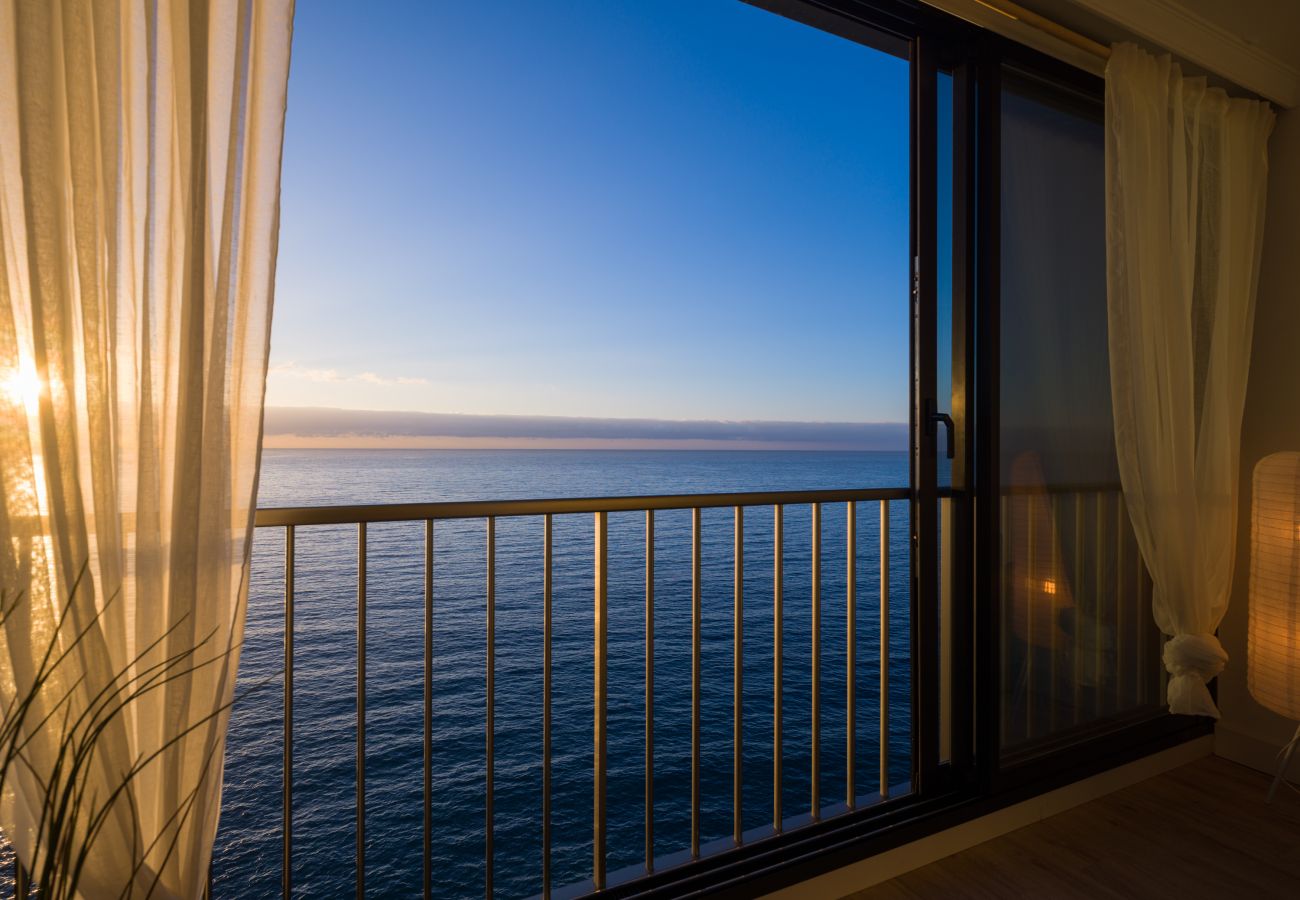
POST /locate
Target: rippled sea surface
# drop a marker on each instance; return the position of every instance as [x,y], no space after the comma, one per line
[248,855]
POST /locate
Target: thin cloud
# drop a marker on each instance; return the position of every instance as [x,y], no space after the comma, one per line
[333,376]
[372,378]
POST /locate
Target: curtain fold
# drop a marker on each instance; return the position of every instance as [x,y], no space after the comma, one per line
[140,145]
[1186,176]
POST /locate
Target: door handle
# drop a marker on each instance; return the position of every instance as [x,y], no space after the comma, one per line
[935,417]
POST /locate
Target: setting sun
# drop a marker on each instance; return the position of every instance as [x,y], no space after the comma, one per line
[23,386]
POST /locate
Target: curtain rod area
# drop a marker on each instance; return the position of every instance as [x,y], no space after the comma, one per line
[1205,48]
[1013,21]
[1054,29]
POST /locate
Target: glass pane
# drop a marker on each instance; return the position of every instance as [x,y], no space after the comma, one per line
[1079,648]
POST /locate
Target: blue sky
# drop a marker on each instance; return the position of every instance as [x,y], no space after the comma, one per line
[686,209]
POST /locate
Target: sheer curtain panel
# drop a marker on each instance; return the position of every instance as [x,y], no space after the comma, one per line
[139,209]
[1186,172]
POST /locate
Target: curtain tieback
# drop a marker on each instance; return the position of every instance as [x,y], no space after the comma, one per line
[1192,660]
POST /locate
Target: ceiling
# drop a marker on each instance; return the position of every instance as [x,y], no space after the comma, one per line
[1271,25]
[1253,44]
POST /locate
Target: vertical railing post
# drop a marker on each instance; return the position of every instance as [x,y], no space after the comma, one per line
[850,652]
[601,688]
[778,628]
[1031,624]
[649,691]
[816,659]
[947,528]
[1054,583]
[546,704]
[428,711]
[737,679]
[884,648]
[1005,593]
[1120,600]
[361,710]
[489,857]
[696,607]
[1099,555]
[1141,602]
[1078,594]
[286,861]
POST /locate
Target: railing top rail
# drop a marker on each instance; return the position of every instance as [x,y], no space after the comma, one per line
[477,509]
[1084,488]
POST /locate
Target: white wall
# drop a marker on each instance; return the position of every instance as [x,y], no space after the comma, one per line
[1248,732]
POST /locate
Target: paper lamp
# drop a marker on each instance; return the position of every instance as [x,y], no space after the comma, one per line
[1273,648]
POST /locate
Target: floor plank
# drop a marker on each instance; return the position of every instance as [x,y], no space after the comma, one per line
[1202,830]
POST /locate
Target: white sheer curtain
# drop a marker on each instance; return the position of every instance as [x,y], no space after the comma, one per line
[1186,172]
[139,211]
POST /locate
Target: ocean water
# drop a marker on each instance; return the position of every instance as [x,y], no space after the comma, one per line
[247,858]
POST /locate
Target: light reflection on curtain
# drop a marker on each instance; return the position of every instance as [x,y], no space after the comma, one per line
[139,191]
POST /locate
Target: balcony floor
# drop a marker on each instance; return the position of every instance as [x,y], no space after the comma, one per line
[1202,830]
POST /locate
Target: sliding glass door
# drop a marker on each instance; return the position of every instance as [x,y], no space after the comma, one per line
[1079,649]
[1028,583]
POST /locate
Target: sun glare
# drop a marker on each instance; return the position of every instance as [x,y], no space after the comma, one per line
[23,386]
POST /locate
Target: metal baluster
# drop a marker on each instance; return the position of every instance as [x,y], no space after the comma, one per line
[884,648]
[1141,644]
[851,652]
[1119,602]
[286,862]
[695,682]
[1100,558]
[946,641]
[778,627]
[361,709]
[1078,595]
[490,650]
[1005,584]
[1031,637]
[1053,595]
[816,658]
[546,704]
[428,708]
[601,690]
[649,691]
[737,679]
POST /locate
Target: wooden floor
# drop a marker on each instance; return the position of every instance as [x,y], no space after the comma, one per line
[1199,831]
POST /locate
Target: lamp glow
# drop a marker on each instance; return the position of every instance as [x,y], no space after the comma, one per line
[1273,642]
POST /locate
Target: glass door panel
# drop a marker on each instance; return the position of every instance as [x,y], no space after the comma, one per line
[1079,650]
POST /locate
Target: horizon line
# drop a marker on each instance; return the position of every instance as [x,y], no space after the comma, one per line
[336,428]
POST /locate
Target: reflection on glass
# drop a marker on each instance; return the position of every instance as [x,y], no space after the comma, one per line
[1079,647]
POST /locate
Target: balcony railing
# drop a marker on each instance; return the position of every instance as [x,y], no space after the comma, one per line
[1066,660]
[290,520]
[1078,642]
[1075,649]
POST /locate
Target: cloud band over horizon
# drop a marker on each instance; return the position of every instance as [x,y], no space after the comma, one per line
[321,427]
